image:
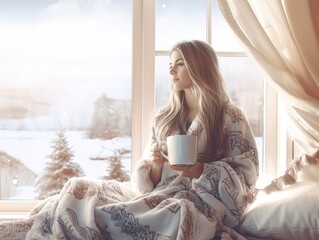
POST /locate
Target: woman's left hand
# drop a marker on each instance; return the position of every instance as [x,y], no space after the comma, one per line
[194,171]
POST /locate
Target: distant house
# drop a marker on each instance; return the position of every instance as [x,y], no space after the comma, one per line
[13,174]
[111,118]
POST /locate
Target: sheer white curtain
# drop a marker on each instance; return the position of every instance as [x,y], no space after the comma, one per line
[283,37]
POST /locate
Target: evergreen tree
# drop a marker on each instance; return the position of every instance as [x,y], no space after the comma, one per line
[116,170]
[59,170]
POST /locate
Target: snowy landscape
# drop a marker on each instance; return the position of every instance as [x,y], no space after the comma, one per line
[33,147]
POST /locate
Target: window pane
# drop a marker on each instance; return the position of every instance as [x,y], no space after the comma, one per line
[179,20]
[244,83]
[161,80]
[223,38]
[65,65]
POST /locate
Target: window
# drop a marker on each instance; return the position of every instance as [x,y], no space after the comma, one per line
[79,55]
[65,65]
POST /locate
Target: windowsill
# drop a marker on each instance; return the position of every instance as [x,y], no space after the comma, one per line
[16,209]
[7,216]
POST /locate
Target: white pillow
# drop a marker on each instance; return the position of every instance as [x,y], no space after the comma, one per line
[292,213]
[309,173]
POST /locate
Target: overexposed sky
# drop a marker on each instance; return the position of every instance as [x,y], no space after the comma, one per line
[62,43]
[66,43]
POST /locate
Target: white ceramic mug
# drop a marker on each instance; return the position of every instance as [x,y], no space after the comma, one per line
[181,149]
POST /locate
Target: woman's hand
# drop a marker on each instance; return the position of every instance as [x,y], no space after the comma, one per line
[194,171]
[156,157]
[157,161]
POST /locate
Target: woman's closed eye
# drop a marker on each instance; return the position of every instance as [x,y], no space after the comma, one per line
[176,65]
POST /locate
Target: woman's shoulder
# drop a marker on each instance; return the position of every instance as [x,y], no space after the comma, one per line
[234,113]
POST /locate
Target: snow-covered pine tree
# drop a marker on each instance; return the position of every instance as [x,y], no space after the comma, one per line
[59,170]
[116,170]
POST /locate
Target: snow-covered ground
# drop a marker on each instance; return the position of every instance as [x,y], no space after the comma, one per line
[33,147]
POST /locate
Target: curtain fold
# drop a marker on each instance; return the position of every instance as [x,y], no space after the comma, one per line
[283,38]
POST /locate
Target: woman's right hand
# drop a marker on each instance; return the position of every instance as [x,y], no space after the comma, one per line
[157,161]
[156,157]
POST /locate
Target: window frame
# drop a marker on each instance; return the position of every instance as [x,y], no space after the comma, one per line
[143,100]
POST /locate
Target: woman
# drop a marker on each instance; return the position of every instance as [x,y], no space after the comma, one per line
[166,202]
[227,164]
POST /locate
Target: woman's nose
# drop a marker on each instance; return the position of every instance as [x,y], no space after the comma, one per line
[172,71]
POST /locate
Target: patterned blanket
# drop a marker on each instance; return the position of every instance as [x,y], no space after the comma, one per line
[177,208]
[96,209]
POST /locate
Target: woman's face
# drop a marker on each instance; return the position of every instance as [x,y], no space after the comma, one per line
[179,75]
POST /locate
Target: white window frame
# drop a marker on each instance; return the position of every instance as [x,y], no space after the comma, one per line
[278,144]
[143,100]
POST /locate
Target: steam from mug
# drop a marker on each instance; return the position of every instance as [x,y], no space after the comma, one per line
[181,149]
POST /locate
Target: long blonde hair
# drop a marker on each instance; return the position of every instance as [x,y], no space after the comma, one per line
[212,99]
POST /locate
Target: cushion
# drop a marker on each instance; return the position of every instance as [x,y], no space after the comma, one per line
[292,213]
